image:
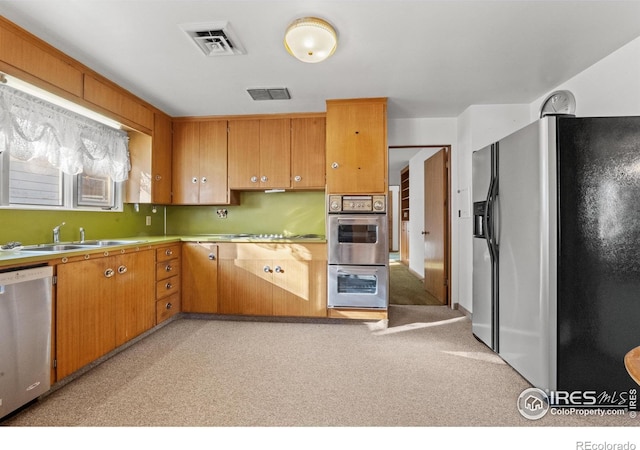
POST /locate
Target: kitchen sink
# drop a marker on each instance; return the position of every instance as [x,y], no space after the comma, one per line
[54,247]
[76,245]
[106,243]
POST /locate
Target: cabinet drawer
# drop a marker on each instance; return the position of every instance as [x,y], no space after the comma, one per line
[167,253]
[167,307]
[167,287]
[166,269]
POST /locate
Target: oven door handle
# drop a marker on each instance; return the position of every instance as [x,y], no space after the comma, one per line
[360,220]
[371,270]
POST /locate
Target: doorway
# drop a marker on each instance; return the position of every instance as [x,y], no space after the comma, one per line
[428,269]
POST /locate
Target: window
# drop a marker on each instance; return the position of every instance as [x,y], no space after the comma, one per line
[55,158]
[36,184]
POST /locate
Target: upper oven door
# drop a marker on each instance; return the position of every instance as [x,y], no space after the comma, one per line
[358,239]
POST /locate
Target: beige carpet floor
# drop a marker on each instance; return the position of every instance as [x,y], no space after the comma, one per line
[425,369]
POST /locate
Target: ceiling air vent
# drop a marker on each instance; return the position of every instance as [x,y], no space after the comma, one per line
[269,94]
[214,38]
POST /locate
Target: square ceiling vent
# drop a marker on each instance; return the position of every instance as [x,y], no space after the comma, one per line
[269,94]
[214,38]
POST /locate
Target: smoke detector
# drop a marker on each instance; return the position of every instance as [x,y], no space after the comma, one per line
[214,38]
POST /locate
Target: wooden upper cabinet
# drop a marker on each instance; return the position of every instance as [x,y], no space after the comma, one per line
[32,57]
[357,146]
[161,159]
[199,172]
[150,176]
[117,101]
[244,153]
[308,138]
[275,153]
[259,153]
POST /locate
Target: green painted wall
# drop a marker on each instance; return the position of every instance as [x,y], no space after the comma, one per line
[258,212]
[35,227]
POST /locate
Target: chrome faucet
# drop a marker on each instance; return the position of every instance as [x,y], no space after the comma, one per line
[56,233]
[81,234]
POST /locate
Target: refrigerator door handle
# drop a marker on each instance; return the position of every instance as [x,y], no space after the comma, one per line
[487,219]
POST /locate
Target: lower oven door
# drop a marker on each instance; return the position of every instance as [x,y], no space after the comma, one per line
[358,287]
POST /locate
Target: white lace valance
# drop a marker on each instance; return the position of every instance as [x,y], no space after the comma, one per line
[33,128]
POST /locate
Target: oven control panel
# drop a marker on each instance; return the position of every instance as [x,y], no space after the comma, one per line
[376,204]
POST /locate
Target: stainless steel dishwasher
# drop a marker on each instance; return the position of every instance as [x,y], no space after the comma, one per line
[25,336]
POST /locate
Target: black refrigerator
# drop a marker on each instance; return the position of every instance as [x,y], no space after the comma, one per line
[556,251]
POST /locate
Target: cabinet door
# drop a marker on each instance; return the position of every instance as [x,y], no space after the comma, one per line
[300,288]
[308,138]
[357,146]
[275,153]
[244,154]
[85,313]
[200,277]
[161,159]
[185,168]
[134,295]
[244,287]
[213,162]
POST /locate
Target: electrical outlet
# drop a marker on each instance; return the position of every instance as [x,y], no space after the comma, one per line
[148,218]
[222,213]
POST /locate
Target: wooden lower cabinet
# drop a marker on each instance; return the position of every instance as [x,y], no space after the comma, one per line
[100,304]
[272,279]
[200,277]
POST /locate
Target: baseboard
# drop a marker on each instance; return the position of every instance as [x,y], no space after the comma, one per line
[462,309]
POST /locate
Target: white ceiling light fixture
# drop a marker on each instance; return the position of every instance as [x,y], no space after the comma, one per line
[310,39]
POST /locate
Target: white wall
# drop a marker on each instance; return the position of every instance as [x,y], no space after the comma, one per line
[611,87]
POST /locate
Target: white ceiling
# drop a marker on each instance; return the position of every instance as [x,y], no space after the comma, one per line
[430,58]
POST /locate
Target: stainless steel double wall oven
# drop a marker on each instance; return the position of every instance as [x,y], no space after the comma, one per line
[357,238]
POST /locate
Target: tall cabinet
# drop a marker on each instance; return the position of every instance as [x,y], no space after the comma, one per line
[357,153]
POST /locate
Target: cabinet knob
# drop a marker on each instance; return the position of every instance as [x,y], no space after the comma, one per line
[194,180]
[169,305]
[335,165]
[168,286]
[168,268]
[263,179]
[254,179]
[122,269]
[424,232]
[212,256]
[158,177]
[279,269]
[266,269]
[168,252]
[297,178]
[109,273]
[204,180]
